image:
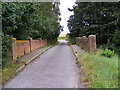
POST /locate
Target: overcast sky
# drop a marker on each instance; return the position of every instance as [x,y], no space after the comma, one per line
[64,5]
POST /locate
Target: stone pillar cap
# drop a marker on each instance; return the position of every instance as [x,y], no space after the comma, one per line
[13,38]
[30,38]
[39,38]
[84,37]
[92,35]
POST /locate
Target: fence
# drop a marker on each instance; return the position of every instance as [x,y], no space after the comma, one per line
[88,44]
[22,47]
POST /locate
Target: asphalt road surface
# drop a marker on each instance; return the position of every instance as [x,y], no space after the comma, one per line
[56,68]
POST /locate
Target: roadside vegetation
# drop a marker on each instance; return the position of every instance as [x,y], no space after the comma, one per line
[9,71]
[102,19]
[99,18]
[62,38]
[99,70]
[70,40]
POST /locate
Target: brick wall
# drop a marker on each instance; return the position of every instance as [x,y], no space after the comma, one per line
[88,44]
[22,47]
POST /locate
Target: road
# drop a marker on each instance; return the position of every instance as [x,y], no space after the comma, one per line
[56,68]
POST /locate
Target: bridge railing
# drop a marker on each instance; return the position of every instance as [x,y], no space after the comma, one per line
[22,47]
[88,44]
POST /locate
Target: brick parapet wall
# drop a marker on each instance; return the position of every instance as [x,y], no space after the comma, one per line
[88,44]
[22,47]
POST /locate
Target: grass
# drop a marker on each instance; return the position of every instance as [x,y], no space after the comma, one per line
[10,70]
[61,38]
[98,71]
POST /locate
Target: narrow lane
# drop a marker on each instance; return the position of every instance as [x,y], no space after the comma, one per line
[56,68]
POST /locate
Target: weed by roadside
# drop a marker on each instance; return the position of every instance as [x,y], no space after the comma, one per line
[10,70]
[99,71]
[107,53]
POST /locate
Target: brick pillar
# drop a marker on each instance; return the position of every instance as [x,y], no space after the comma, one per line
[45,42]
[79,41]
[30,41]
[83,41]
[14,54]
[92,43]
[40,42]
[86,44]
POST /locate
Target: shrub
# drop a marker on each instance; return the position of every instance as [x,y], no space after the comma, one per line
[6,50]
[70,40]
[111,47]
[107,53]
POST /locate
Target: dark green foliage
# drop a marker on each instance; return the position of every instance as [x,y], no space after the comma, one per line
[22,20]
[36,20]
[6,49]
[71,40]
[99,18]
[107,53]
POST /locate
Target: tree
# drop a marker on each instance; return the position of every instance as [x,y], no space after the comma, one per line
[22,20]
[99,18]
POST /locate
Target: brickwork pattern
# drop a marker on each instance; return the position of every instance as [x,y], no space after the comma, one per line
[88,44]
[22,47]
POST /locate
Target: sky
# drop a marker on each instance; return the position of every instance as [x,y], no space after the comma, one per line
[65,13]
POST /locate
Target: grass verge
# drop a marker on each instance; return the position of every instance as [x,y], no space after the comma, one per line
[98,71]
[10,71]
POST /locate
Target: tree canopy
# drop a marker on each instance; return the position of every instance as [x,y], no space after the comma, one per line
[25,19]
[99,18]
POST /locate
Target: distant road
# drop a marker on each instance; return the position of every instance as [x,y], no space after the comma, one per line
[56,68]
